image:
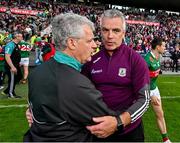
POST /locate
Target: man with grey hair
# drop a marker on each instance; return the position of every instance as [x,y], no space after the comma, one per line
[122,76]
[12,66]
[62,101]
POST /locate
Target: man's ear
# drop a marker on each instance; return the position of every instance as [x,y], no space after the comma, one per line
[71,43]
[157,47]
[124,32]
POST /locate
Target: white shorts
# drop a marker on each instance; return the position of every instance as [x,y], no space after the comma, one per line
[155,92]
[24,61]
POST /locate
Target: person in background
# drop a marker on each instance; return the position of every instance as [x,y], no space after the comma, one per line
[32,41]
[25,49]
[153,61]
[97,40]
[45,37]
[2,68]
[116,70]
[2,38]
[12,66]
[175,55]
[37,47]
[47,51]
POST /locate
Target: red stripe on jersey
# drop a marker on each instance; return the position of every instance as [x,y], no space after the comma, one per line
[1,58]
[154,73]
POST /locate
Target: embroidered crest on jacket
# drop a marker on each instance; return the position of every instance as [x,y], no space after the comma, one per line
[122,72]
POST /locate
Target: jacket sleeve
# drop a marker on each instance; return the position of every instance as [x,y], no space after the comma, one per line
[140,83]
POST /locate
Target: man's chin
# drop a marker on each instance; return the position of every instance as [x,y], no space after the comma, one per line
[111,48]
[89,59]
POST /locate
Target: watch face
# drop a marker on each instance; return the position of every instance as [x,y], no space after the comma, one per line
[120,128]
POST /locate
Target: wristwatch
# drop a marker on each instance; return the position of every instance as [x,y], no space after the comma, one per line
[120,126]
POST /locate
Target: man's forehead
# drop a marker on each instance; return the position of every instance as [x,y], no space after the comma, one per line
[111,20]
[111,27]
[112,23]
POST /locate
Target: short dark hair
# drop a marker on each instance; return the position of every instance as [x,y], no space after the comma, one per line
[156,41]
[14,34]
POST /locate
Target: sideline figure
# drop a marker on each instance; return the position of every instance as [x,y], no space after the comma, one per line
[121,75]
[63,101]
[153,62]
[12,67]
[25,49]
[175,55]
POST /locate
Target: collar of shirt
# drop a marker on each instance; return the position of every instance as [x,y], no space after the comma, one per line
[154,56]
[115,51]
[65,59]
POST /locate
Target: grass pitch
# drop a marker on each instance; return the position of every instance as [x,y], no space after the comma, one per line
[13,123]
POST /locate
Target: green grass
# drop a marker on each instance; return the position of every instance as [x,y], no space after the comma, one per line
[168,86]
[12,120]
[13,123]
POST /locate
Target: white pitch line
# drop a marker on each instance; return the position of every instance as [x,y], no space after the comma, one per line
[168,82]
[170,97]
[10,106]
[26,105]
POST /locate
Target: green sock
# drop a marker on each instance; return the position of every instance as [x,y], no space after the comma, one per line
[164,135]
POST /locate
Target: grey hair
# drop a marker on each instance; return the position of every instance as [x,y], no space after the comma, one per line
[68,25]
[113,13]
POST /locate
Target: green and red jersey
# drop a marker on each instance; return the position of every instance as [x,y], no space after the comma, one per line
[154,68]
[25,48]
[2,59]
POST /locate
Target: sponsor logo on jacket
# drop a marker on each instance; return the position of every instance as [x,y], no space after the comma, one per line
[96,71]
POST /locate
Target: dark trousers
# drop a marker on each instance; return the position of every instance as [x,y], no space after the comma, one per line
[137,135]
[13,79]
[1,77]
[175,65]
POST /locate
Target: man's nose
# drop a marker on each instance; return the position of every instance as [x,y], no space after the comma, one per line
[110,34]
[94,45]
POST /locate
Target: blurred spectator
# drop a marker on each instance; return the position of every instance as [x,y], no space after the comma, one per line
[25,49]
[175,55]
[12,67]
[47,51]
[138,36]
[97,40]
[2,68]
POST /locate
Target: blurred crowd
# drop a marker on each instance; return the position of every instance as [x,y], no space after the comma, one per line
[138,36]
[142,26]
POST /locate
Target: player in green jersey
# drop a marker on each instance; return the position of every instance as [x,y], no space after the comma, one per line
[25,48]
[153,61]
